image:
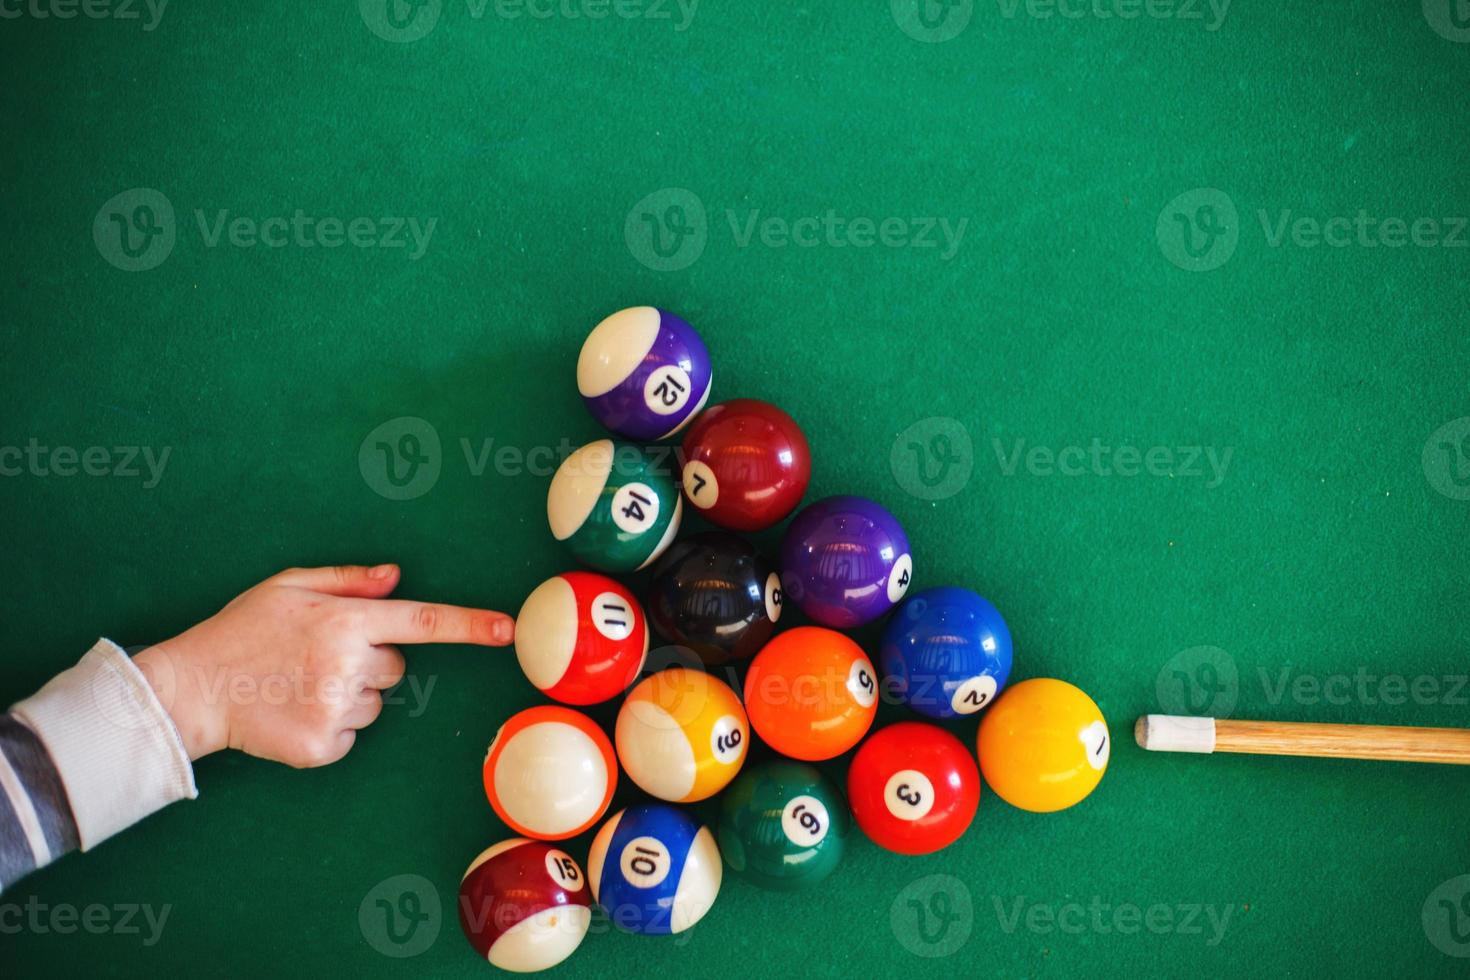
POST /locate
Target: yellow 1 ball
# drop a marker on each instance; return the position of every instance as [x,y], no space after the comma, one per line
[1043,745]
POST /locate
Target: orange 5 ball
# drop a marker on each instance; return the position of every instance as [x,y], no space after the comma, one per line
[811,693]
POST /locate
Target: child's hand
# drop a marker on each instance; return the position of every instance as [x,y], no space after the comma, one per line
[290,669]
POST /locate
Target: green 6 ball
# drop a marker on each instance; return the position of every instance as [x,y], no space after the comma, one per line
[782,825]
[616,505]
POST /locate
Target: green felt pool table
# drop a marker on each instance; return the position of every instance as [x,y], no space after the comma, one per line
[1147,318]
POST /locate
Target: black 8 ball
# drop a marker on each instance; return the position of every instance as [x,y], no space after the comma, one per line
[715,594]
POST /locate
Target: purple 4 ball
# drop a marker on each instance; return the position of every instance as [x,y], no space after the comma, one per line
[845,561]
[644,373]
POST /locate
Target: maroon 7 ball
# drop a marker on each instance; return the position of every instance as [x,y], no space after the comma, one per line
[746,464]
[913,788]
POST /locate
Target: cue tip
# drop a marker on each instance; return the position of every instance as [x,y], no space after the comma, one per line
[1175,733]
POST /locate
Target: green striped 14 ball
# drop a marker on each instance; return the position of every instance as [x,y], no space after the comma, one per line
[615,505]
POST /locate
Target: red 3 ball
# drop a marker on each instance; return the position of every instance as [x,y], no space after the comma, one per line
[746,464]
[913,788]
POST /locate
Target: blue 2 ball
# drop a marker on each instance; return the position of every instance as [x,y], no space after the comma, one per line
[947,652]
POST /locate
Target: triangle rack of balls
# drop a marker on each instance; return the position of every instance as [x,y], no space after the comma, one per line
[684,730]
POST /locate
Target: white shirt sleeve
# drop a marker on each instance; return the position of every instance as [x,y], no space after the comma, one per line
[114,746]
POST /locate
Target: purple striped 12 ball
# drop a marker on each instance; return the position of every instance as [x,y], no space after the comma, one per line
[644,373]
[845,561]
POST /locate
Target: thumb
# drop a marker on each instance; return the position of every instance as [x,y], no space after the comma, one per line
[355,581]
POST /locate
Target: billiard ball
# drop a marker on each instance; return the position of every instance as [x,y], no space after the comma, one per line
[1043,745]
[550,772]
[615,505]
[913,787]
[524,905]
[581,638]
[643,373]
[845,561]
[654,869]
[782,825]
[811,693]
[716,595]
[947,652]
[681,735]
[746,465]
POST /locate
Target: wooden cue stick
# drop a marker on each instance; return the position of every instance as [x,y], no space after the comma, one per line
[1175,733]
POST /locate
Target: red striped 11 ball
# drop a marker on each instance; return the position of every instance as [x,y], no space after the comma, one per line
[581,638]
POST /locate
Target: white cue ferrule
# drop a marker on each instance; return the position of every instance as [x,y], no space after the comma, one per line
[1175,733]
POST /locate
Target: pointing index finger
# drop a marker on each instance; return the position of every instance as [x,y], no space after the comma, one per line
[406,621]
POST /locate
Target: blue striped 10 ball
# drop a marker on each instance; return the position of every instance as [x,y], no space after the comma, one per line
[654,869]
